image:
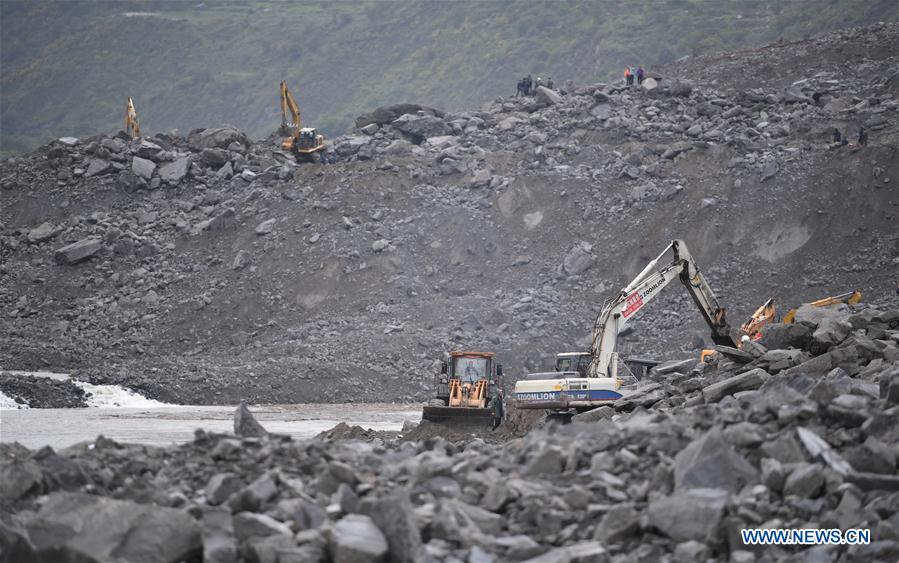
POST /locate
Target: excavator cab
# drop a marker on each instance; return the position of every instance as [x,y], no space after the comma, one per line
[303,142]
[464,388]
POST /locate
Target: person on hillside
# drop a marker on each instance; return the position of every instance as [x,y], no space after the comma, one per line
[640,74]
[538,83]
[628,79]
[549,82]
[496,407]
[520,91]
[528,89]
[862,137]
[633,75]
[838,137]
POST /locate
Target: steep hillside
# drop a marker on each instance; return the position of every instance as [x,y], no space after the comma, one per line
[68,67]
[219,269]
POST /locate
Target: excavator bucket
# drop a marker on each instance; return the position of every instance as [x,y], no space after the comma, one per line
[460,417]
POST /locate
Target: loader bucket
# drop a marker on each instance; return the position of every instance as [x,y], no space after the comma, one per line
[460,417]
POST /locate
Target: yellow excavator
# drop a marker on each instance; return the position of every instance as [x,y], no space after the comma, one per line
[465,386]
[302,142]
[132,127]
[767,313]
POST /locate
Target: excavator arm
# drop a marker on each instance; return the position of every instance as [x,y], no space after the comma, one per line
[649,283]
[289,105]
[132,127]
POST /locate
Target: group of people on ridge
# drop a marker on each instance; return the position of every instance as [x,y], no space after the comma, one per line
[632,74]
[527,86]
[842,140]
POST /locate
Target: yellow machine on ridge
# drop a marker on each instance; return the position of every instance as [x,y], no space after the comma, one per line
[465,386]
[302,142]
[132,127]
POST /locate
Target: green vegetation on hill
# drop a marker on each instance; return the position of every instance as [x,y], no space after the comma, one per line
[67,67]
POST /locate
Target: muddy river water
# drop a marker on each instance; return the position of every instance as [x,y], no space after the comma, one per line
[59,428]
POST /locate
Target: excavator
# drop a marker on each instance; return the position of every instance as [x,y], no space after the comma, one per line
[752,328]
[849,298]
[302,142]
[132,127]
[464,388]
[584,389]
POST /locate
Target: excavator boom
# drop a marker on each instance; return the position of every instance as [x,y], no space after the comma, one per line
[132,126]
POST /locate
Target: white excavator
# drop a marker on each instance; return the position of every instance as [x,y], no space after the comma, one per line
[580,386]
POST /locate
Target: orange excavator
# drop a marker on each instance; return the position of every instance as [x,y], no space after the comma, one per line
[465,386]
[302,142]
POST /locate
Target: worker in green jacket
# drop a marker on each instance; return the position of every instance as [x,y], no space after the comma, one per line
[496,405]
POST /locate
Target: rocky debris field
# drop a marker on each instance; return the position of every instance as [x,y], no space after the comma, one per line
[796,431]
[206,268]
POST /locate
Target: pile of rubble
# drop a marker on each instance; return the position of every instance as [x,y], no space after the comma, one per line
[797,431]
[207,268]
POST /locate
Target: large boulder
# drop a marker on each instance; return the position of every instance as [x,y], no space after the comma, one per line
[42,232]
[548,96]
[356,539]
[710,462]
[395,517]
[219,543]
[245,424]
[98,167]
[82,527]
[417,128]
[749,380]
[388,114]
[692,514]
[143,167]
[78,251]
[218,137]
[783,336]
[578,260]
[173,172]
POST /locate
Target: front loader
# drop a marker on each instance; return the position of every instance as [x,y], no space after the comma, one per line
[465,386]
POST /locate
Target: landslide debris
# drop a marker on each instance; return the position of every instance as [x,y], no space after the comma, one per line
[673,472]
[206,268]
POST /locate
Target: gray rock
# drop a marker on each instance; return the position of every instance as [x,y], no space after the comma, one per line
[218,137]
[370,129]
[773,474]
[768,170]
[710,462]
[649,84]
[98,167]
[793,94]
[42,232]
[396,519]
[149,150]
[173,172]
[82,527]
[691,551]
[241,260]
[620,522]
[249,524]
[214,158]
[548,96]
[680,88]
[78,251]
[783,336]
[749,380]
[266,227]
[549,460]
[577,261]
[417,128]
[804,481]
[873,456]
[245,423]
[219,543]
[254,496]
[692,514]
[221,487]
[388,114]
[356,539]
[142,167]
[19,478]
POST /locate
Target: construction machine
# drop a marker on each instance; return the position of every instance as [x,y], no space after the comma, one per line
[752,328]
[849,298]
[132,127]
[465,386]
[302,142]
[577,389]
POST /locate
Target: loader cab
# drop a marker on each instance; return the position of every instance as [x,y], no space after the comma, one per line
[468,368]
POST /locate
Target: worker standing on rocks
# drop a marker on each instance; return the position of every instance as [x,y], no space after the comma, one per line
[528,86]
[549,82]
[496,406]
[640,75]
[862,137]
[628,79]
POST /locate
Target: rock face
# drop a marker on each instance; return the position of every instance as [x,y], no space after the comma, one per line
[174,172]
[78,251]
[710,462]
